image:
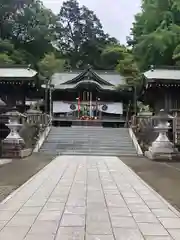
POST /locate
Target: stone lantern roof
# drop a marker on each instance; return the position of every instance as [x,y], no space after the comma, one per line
[163,115]
[14,113]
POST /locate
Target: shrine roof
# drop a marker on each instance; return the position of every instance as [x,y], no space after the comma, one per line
[73,86]
[111,77]
[163,74]
[17,72]
[71,79]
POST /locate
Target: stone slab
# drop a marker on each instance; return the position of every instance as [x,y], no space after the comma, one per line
[88,198]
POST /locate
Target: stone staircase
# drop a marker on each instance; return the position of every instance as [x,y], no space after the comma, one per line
[89,141]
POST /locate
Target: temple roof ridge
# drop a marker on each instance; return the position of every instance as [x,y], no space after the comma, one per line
[89,73]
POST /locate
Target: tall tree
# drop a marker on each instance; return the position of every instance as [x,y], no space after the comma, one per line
[34,29]
[81,35]
[156,33]
[29,33]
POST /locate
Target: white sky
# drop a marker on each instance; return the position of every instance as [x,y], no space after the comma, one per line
[115,15]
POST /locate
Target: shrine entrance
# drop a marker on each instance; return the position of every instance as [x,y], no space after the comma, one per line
[88,101]
[88,110]
[88,105]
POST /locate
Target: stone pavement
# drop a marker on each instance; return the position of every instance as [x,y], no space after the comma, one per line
[87,198]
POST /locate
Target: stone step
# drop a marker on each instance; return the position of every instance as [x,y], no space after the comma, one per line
[130,148]
[88,144]
[93,153]
[89,141]
[97,136]
[89,130]
[92,132]
[83,137]
[87,151]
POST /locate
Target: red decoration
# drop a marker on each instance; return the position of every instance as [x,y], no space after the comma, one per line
[79,104]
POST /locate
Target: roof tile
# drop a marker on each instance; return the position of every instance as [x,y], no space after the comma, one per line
[17,73]
[163,74]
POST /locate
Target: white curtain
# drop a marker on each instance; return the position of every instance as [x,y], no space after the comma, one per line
[113,108]
[62,107]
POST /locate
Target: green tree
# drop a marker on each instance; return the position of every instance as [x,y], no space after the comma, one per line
[156,33]
[5,59]
[34,29]
[111,55]
[128,68]
[29,27]
[50,64]
[81,35]
[29,31]
[6,46]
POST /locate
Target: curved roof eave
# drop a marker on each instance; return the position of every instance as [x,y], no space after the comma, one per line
[74,86]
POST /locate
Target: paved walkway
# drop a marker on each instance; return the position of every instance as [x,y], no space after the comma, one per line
[91,198]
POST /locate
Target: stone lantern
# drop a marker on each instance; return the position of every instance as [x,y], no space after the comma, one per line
[162,148]
[13,144]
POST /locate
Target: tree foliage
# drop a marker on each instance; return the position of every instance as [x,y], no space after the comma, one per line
[26,30]
[111,55]
[50,64]
[81,38]
[156,33]
[33,34]
[74,38]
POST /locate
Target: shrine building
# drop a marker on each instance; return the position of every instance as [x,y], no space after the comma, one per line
[89,94]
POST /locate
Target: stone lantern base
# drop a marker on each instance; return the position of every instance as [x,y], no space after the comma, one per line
[14,150]
[161,154]
[162,149]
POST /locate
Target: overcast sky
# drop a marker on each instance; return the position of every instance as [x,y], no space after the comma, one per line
[115,15]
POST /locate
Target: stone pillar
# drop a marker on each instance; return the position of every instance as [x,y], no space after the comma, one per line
[162,148]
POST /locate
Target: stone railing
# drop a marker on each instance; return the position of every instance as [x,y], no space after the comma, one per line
[40,121]
[38,118]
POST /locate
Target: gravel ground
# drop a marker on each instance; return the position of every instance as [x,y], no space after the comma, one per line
[16,173]
[164,177]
